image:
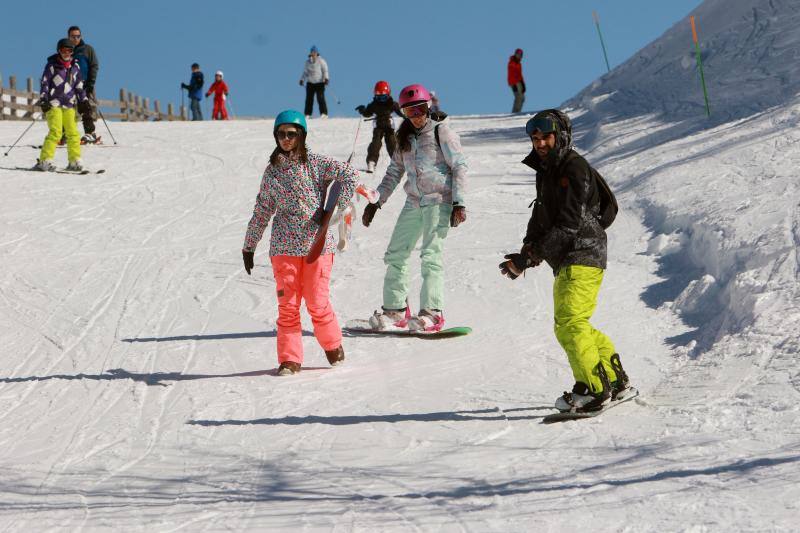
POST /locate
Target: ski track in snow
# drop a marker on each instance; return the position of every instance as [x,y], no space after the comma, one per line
[138,385]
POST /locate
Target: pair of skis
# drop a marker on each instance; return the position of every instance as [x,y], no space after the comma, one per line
[63,171]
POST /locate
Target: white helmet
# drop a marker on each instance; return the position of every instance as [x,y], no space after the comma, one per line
[219,73]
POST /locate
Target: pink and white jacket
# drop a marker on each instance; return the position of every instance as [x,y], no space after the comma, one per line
[292,192]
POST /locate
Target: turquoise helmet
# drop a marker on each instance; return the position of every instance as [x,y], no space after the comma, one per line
[290,116]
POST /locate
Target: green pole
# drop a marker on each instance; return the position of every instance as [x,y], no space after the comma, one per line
[602,42]
[700,64]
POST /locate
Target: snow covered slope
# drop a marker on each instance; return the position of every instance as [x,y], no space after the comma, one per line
[137,386]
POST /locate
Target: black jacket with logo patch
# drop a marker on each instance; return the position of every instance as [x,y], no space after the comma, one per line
[564,228]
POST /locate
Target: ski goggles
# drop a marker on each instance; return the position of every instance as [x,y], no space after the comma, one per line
[544,124]
[416,110]
[287,134]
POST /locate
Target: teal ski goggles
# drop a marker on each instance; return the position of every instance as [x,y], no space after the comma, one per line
[543,124]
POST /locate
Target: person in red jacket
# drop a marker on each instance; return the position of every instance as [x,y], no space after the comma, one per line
[515,80]
[220,90]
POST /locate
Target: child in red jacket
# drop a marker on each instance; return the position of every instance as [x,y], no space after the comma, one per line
[220,90]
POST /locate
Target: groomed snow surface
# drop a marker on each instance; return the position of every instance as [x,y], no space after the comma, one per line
[138,385]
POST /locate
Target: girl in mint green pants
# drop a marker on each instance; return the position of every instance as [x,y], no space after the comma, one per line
[429,154]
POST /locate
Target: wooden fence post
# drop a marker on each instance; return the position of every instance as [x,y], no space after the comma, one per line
[170,113]
[157,109]
[132,115]
[31,99]
[2,101]
[122,109]
[12,86]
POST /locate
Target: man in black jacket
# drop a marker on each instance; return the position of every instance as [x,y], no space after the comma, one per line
[565,231]
[87,60]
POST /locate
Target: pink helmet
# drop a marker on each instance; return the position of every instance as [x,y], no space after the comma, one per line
[414,94]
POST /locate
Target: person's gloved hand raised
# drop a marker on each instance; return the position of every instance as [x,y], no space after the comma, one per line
[458,215]
[369,213]
[515,264]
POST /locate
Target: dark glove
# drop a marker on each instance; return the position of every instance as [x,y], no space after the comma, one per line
[515,264]
[84,107]
[458,215]
[326,82]
[184,86]
[247,257]
[369,213]
[89,88]
[45,105]
[301,82]
[361,109]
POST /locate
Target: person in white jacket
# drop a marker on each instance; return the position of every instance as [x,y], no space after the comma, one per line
[429,154]
[315,78]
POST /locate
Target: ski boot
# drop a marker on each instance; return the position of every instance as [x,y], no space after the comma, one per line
[390,319]
[288,368]
[427,321]
[89,138]
[75,166]
[44,165]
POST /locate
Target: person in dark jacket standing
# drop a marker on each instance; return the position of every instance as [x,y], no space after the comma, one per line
[87,60]
[565,231]
[195,89]
[516,81]
[382,106]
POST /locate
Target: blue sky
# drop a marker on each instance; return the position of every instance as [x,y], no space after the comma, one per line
[458,48]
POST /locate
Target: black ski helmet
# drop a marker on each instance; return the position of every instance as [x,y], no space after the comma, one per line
[556,122]
[64,43]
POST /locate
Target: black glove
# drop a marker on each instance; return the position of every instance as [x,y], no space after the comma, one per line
[361,109]
[89,88]
[458,215]
[247,257]
[369,213]
[45,105]
[184,86]
[515,264]
[84,107]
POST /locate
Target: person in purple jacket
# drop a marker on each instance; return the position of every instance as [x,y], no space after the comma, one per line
[61,90]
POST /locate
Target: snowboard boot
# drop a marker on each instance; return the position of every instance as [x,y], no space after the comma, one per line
[335,356]
[582,399]
[288,368]
[428,320]
[370,167]
[44,165]
[75,166]
[89,138]
[390,319]
[622,386]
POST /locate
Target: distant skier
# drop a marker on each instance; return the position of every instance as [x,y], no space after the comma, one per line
[195,89]
[292,189]
[61,89]
[220,90]
[429,152]
[566,229]
[86,57]
[315,78]
[516,81]
[382,106]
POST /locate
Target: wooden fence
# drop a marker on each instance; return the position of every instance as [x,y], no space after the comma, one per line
[16,104]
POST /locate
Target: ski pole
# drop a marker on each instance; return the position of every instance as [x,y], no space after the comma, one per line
[358,128]
[602,42]
[233,113]
[338,102]
[21,136]
[700,64]
[106,123]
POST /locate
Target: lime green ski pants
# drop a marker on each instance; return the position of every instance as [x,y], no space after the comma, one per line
[574,300]
[431,223]
[61,119]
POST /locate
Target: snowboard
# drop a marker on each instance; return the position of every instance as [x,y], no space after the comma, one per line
[564,416]
[363,328]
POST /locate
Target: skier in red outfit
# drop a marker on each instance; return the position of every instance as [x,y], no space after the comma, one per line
[516,81]
[220,90]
